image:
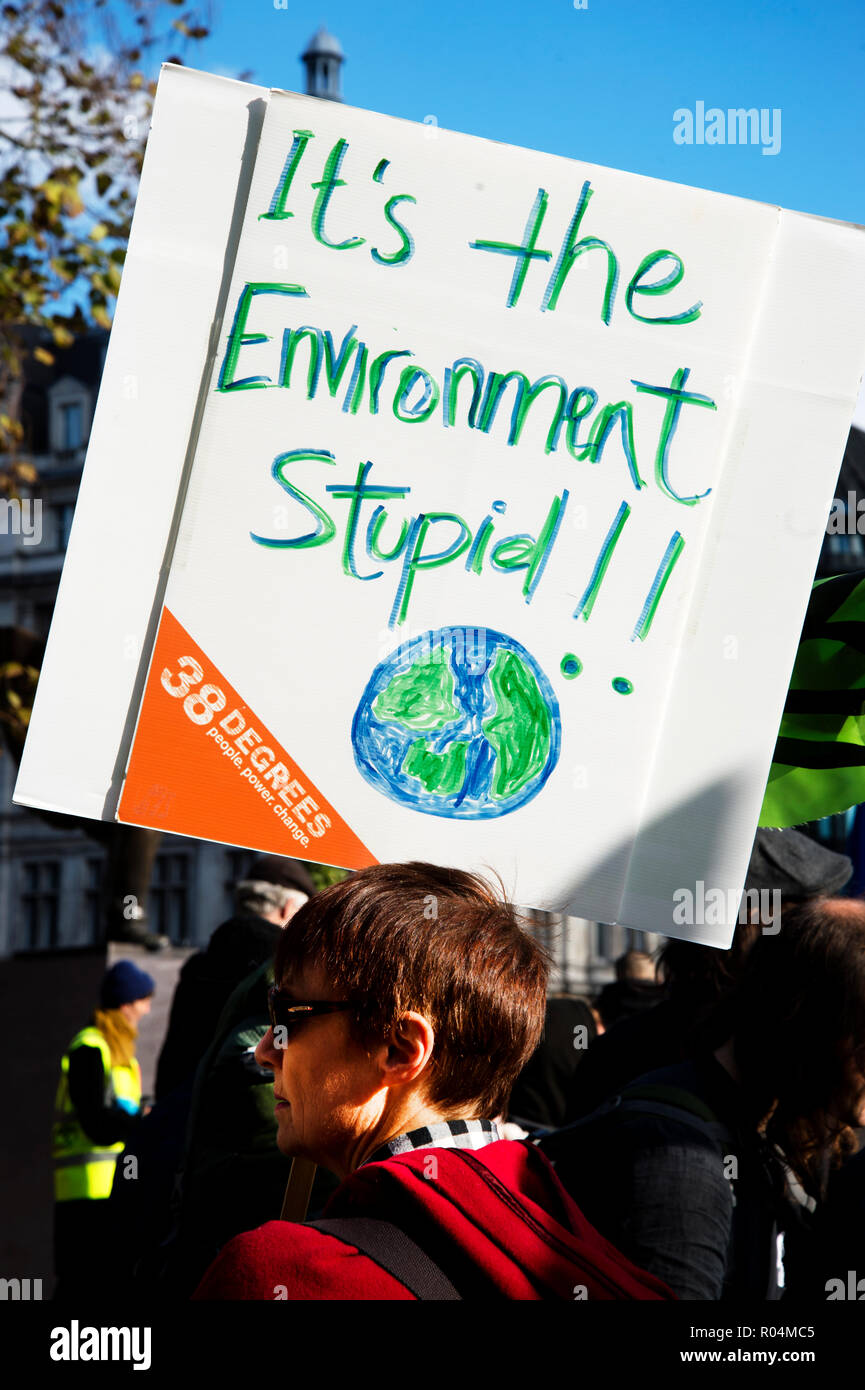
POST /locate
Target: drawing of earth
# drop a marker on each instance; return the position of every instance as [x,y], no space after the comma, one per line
[458,722]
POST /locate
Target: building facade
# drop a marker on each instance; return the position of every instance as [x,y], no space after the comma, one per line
[52,870]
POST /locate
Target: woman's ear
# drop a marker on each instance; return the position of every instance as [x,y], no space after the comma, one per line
[409,1048]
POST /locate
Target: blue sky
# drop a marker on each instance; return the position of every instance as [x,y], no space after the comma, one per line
[600,83]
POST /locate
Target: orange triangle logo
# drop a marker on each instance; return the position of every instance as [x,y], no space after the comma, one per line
[202,764]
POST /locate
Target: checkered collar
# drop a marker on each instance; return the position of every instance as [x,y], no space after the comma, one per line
[449,1134]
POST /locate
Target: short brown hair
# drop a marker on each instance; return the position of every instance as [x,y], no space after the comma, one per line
[398,937]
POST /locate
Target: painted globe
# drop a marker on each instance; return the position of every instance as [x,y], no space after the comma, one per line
[458,722]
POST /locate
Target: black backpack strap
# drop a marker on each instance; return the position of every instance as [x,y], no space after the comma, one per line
[395,1252]
[670,1102]
[652,1099]
[666,1102]
[672,1095]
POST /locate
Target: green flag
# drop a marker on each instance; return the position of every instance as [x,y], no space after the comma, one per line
[819,764]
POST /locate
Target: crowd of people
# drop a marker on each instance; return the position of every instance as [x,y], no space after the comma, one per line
[692,1133]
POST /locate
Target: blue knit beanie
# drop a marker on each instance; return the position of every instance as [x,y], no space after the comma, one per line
[123,984]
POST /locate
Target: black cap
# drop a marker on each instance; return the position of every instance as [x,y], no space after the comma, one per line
[796,865]
[289,873]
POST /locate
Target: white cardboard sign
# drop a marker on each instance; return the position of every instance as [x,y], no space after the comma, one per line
[447,500]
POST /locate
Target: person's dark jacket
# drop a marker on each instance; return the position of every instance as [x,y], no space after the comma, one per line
[700,1206]
[839,1239]
[236,948]
[623,999]
[230,1174]
[542,1089]
[104,1122]
[657,1037]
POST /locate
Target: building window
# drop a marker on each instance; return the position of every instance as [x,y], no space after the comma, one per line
[833,831]
[65,512]
[237,862]
[636,941]
[71,425]
[599,942]
[94,879]
[543,928]
[40,905]
[42,615]
[167,900]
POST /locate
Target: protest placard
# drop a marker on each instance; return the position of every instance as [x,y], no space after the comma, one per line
[441,492]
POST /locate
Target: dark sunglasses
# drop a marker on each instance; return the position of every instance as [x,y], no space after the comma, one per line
[286,1012]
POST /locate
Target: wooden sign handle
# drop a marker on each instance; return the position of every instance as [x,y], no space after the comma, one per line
[298,1190]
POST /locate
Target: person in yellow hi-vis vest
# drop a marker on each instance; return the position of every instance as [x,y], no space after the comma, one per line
[96,1109]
